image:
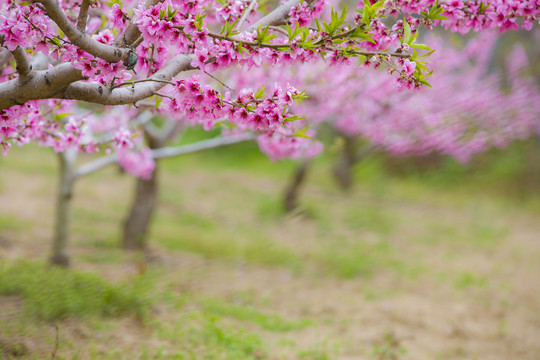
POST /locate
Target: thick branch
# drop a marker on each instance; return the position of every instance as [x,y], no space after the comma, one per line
[43,85]
[62,81]
[23,65]
[99,94]
[77,37]
[83,15]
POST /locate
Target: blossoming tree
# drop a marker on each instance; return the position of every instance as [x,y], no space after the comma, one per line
[466,111]
[58,57]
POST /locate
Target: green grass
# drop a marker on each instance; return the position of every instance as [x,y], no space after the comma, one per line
[199,335]
[271,322]
[189,232]
[466,280]
[52,293]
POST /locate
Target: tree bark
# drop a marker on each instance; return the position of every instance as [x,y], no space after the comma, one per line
[136,225]
[343,168]
[59,255]
[292,192]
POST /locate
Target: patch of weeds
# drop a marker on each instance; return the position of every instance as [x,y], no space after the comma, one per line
[467,280]
[486,236]
[203,336]
[388,348]
[52,293]
[369,218]
[313,355]
[271,322]
[13,223]
[214,242]
[270,207]
[322,351]
[349,259]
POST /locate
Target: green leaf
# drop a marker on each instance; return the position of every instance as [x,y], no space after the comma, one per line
[302,133]
[421,46]
[440,17]
[260,93]
[292,118]
[406,32]
[426,54]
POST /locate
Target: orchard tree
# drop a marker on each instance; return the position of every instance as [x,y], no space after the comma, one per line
[61,58]
[139,162]
[115,54]
[467,109]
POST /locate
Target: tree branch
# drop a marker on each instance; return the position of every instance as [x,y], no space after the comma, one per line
[278,14]
[132,32]
[201,145]
[99,94]
[166,152]
[109,53]
[42,85]
[83,15]
[23,65]
[62,81]
[246,14]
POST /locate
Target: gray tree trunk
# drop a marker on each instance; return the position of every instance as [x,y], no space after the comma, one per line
[292,192]
[136,225]
[59,255]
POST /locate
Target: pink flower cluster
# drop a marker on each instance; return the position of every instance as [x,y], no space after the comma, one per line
[25,26]
[137,162]
[59,132]
[465,112]
[303,13]
[201,104]
[284,144]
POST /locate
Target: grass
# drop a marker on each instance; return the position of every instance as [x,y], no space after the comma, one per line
[271,322]
[51,293]
[366,249]
[202,236]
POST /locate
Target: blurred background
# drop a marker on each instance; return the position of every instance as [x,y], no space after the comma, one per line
[379,257]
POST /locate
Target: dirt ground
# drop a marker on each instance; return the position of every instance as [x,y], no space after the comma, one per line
[451,297]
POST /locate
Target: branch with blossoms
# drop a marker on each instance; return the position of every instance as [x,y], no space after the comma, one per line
[149,44]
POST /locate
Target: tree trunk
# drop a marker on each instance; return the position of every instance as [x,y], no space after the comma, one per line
[292,192]
[59,254]
[136,224]
[343,169]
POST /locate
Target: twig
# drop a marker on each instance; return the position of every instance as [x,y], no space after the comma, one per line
[219,81]
[165,152]
[55,343]
[83,15]
[200,145]
[281,30]
[246,14]
[163,95]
